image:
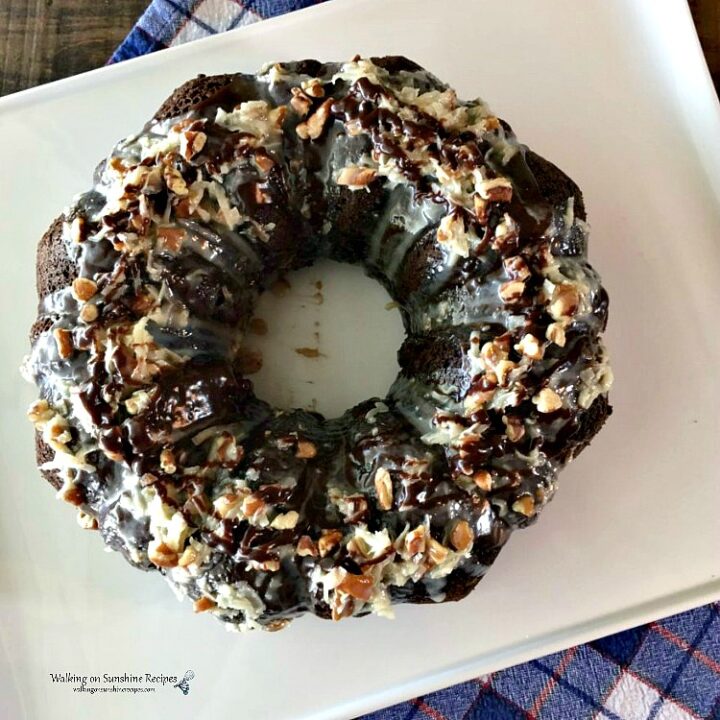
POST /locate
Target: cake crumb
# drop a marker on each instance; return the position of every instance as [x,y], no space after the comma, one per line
[280,287]
[249,361]
[308,352]
[258,326]
[391,305]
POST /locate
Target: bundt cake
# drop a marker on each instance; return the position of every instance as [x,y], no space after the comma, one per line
[148,281]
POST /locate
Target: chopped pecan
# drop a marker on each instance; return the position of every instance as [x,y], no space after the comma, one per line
[516,268]
[313,87]
[416,541]
[300,102]
[512,290]
[171,237]
[525,505]
[483,479]
[89,313]
[329,540]
[161,555]
[357,586]
[203,604]
[167,461]
[564,302]
[555,333]
[461,536]
[78,229]
[192,143]
[306,450]
[530,346]
[384,488]
[356,177]
[514,428]
[306,547]
[285,521]
[437,553]
[312,128]
[64,341]
[83,288]
[547,401]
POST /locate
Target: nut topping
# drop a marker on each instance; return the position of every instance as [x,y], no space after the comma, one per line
[300,102]
[312,128]
[170,237]
[514,428]
[547,401]
[286,521]
[203,604]
[356,177]
[483,479]
[78,229]
[89,313]
[357,586]
[481,207]
[462,536]
[305,450]
[415,541]
[192,143]
[530,346]
[306,547]
[40,412]
[329,540]
[564,302]
[516,268]
[63,339]
[525,505]
[555,333]
[512,291]
[167,461]
[437,553]
[384,488]
[253,505]
[161,555]
[313,87]
[83,289]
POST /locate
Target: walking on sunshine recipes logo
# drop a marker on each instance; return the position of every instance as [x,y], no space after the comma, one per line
[125,683]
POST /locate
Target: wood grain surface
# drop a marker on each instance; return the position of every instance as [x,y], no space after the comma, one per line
[42,40]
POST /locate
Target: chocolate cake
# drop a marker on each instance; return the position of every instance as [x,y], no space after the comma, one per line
[148,281]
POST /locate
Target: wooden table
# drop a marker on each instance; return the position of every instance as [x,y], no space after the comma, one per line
[42,40]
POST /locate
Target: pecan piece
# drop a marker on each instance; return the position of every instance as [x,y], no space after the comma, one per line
[161,555]
[312,128]
[461,536]
[356,177]
[547,401]
[357,586]
[384,488]
[203,604]
[83,289]
[63,339]
[305,450]
[329,540]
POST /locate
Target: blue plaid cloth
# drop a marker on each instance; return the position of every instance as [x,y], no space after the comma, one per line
[667,670]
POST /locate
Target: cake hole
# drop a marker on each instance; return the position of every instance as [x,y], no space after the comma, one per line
[327,338]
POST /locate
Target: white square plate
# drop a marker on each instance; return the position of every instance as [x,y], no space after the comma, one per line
[614,92]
